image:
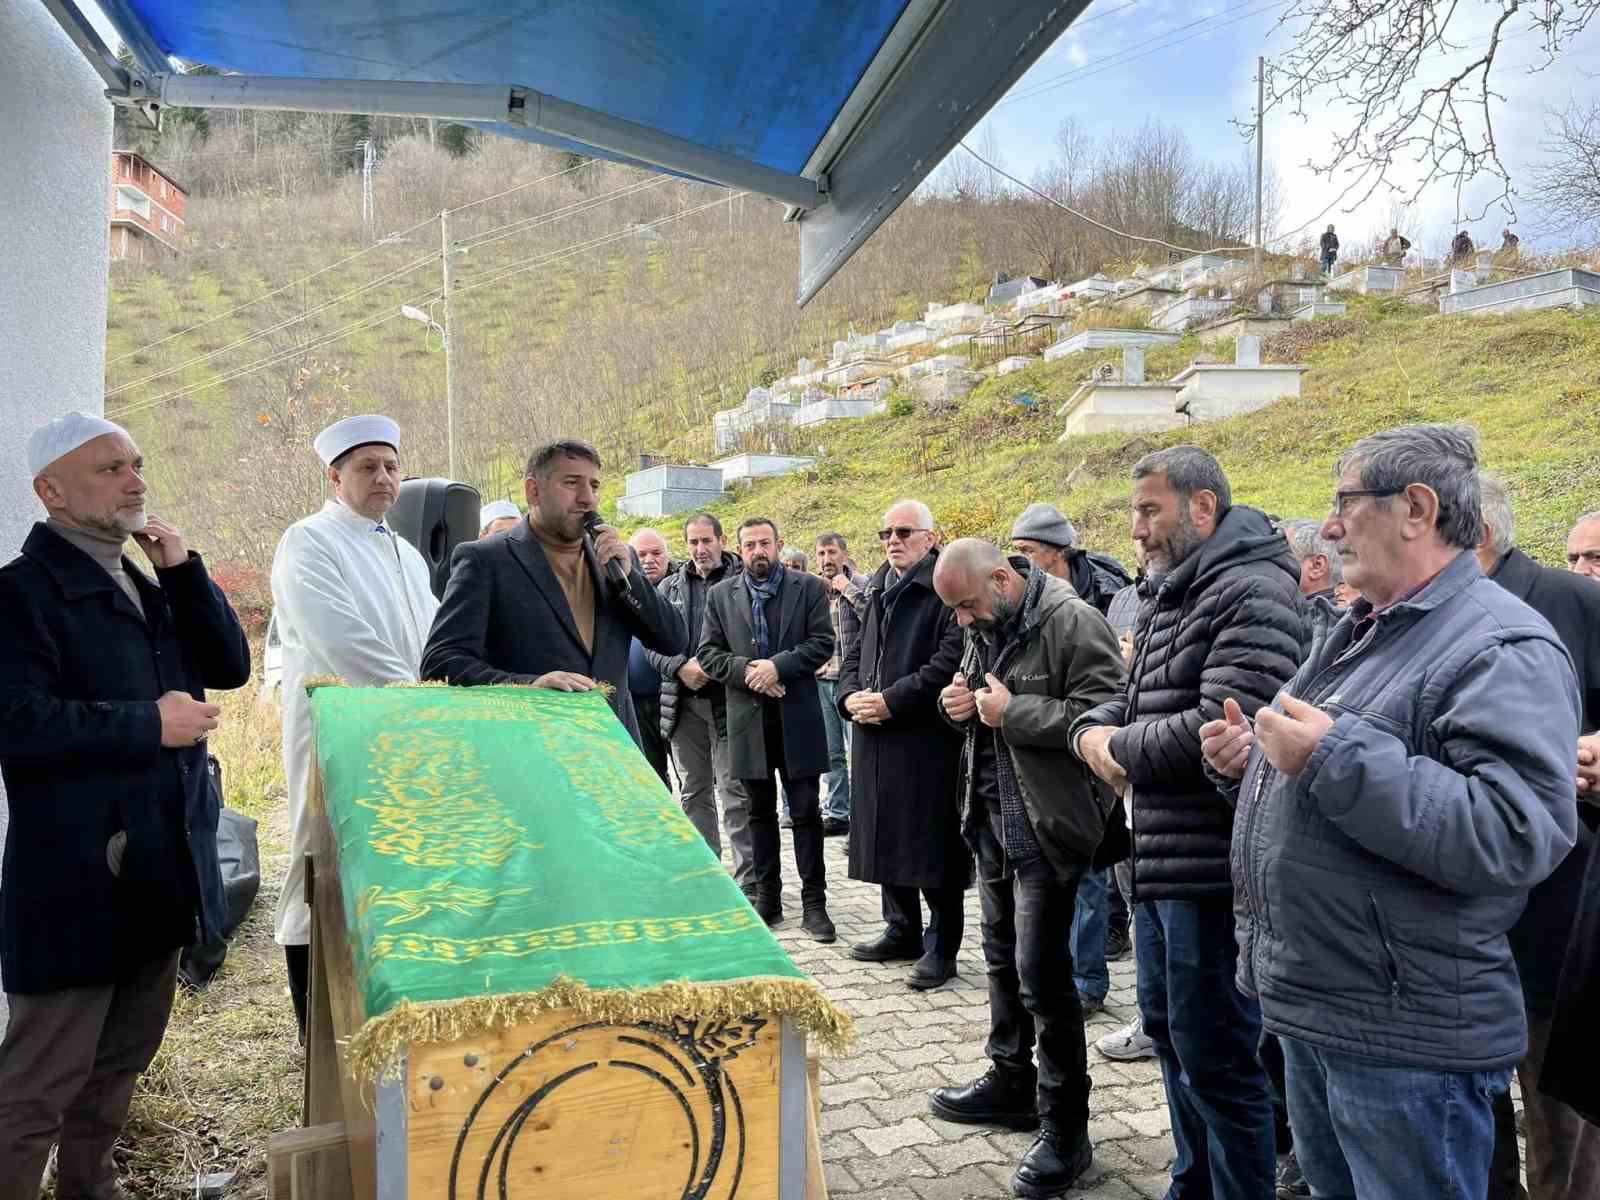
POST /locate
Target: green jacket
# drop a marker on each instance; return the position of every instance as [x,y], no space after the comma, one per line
[1065,661]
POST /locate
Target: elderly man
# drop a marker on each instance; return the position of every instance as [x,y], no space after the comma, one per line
[1395,807]
[1221,618]
[1321,574]
[694,709]
[1583,546]
[846,601]
[644,681]
[111,861]
[765,633]
[351,599]
[1034,817]
[1050,542]
[497,517]
[539,607]
[907,824]
[1562,1146]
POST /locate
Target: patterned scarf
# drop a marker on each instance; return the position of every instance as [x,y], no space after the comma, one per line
[762,590]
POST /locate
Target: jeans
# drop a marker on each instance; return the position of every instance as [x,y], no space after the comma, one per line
[1381,1132]
[1089,922]
[704,761]
[1206,1034]
[836,801]
[1034,1007]
[941,936]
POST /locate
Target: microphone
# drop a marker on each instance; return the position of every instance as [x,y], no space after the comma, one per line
[615,575]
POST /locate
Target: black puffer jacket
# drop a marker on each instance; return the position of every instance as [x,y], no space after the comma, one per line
[1227,621]
[686,591]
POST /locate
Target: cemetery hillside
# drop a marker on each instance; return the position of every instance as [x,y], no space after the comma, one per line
[595,301]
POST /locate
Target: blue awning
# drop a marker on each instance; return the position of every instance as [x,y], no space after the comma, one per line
[837,107]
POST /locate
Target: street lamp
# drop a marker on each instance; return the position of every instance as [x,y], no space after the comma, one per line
[412,313]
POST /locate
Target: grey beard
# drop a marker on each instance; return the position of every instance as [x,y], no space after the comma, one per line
[1185,540]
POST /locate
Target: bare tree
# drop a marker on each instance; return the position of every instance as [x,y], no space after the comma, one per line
[1370,62]
[1566,183]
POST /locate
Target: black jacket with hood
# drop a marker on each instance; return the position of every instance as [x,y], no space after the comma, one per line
[1227,621]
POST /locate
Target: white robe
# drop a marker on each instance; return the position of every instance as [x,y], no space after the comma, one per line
[353,600]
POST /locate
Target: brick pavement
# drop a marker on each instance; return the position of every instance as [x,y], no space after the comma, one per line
[878,1138]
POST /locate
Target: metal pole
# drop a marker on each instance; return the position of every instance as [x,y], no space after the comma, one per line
[1261,79]
[449,372]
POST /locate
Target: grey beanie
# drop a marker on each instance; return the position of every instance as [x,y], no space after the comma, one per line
[1044,523]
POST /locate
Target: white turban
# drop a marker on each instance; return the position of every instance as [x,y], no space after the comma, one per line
[343,436]
[64,435]
[494,511]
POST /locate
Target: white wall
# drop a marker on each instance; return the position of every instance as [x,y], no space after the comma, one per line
[55,142]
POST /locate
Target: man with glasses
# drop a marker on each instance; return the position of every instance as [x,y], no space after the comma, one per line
[907,830]
[1396,803]
[1221,617]
[1583,546]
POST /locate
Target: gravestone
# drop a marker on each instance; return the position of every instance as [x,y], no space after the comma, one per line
[804,367]
[1247,350]
[1297,270]
[1264,300]
[1133,364]
[1461,280]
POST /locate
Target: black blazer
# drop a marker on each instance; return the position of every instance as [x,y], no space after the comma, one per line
[802,640]
[505,619]
[80,748]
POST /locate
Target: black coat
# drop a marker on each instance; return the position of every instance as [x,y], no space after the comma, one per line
[801,641]
[905,802]
[1227,621]
[678,590]
[80,748]
[1562,919]
[505,619]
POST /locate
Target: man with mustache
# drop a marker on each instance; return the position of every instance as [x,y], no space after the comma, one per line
[765,633]
[352,599]
[111,858]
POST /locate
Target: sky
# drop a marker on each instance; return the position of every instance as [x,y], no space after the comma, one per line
[1192,65]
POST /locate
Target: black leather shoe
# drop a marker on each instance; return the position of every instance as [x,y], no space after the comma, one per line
[768,907]
[818,925]
[886,948]
[834,827]
[1052,1164]
[1118,945]
[1009,1102]
[930,972]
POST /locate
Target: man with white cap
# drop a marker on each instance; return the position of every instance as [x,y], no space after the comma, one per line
[352,599]
[497,517]
[111,859]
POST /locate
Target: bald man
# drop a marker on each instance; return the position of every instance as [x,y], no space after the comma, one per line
[1034,659]
[644,681]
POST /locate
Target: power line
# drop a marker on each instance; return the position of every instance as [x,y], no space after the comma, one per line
[588,203]
[520,186]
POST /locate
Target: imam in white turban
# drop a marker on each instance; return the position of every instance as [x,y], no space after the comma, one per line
[344,436]
[64,435]
[494,511]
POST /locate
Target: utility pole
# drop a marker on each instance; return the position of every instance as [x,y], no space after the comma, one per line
[1261,88]
[449,372]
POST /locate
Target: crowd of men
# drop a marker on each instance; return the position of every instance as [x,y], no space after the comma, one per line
[1339,775]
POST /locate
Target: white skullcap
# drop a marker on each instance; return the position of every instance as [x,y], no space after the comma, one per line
[494,511]
[64,435]
[343,436]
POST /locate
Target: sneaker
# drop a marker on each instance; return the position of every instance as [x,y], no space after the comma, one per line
[1118,945]
[1128,1044]
[1291,1181]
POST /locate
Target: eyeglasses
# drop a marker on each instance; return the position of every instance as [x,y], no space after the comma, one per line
[903,532]
[1341,500]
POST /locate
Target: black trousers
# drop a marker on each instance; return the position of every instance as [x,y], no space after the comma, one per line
[1034,1009]
[647,711]
[804,809]
[1272,1060]
[941,936]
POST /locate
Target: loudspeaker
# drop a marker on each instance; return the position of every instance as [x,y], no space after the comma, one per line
[436,516]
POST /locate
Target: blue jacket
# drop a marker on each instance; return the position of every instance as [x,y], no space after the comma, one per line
[80,747]
[1374,890]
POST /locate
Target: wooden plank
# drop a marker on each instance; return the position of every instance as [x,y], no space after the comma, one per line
[323,1100]
[346,1008]
[571,1110]
[292,1145]
[816,1181]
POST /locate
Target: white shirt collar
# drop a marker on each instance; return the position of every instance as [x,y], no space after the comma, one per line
[344,512]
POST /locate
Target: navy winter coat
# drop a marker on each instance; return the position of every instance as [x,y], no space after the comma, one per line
[1375,889]
[81,753]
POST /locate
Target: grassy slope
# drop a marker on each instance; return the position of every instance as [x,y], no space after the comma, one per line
[1530,383]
